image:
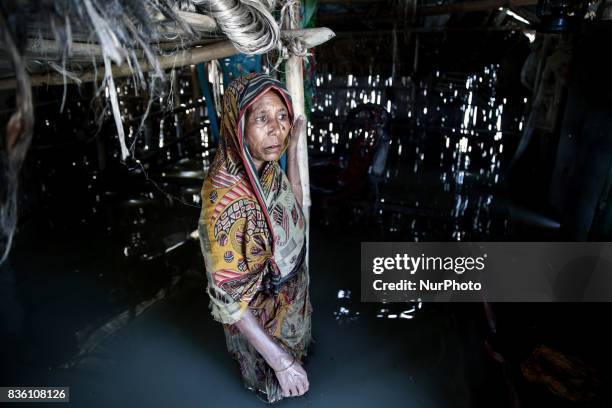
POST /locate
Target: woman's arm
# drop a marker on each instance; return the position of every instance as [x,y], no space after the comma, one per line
[293,172]
[290,374]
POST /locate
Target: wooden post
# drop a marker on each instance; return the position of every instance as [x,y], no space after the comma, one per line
[295,86]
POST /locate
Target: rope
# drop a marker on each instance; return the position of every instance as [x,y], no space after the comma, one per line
[247,23]
[252,29]
[290,46]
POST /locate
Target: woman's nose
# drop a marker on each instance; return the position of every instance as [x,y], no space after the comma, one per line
[275,127]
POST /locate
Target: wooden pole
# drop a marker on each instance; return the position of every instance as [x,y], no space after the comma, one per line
[375,35]
[471,6]
[40,48]
[459,7]
[191,56]
[295,86]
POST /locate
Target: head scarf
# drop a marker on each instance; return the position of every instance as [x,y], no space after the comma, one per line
[251,228]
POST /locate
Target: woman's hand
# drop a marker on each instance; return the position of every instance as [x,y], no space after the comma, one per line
[293,173]
[291,376]
[296,131]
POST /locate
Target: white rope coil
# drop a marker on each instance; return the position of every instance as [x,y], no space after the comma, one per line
[249,24]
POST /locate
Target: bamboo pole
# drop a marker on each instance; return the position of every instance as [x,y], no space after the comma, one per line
[191,56]
[295,86]
[471,6]
[39,48]
[375,35]
[360,2]
[42,48]
[460,7]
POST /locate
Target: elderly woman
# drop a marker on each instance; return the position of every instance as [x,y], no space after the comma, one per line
[252,234]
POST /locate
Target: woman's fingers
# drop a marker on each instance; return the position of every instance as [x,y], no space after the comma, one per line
[299,389]
[293,391]
[305,386]
[286,389]
[298,125]
[302,388]
[287,385]
[294,381]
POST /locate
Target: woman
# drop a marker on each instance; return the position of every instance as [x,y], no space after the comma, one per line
[252,234]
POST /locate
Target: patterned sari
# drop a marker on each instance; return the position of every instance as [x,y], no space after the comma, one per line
[252,235]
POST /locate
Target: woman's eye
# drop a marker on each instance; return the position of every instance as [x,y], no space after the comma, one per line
[260,119]
[282,116]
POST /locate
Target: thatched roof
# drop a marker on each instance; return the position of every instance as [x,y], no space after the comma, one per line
[72,37]
[57,42]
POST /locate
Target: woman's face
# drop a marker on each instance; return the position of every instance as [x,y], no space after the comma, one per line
[267,127]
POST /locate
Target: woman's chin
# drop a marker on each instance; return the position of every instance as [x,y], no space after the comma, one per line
[272,156]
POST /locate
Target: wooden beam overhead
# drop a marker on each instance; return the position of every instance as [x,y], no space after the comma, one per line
[393,15]
[191,56]
[471,6]
[423,30]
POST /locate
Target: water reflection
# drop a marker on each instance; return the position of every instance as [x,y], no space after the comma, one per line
[446,151]
[447,142]
[348,310]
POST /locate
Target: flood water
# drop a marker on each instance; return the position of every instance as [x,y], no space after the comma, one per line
[104,288]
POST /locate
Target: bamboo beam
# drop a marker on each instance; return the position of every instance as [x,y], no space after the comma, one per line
[41,48]
[87,52]
[360,2]
[471,6]
[375,34]
[310,37]
[460,7]
[192,56]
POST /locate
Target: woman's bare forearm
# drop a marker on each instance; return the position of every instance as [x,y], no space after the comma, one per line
[293,173]
[274,355]
[291,377]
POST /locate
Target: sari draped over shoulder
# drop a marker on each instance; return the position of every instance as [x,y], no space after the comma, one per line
[252,236]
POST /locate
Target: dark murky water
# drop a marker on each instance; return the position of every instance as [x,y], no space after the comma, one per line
[99,244]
